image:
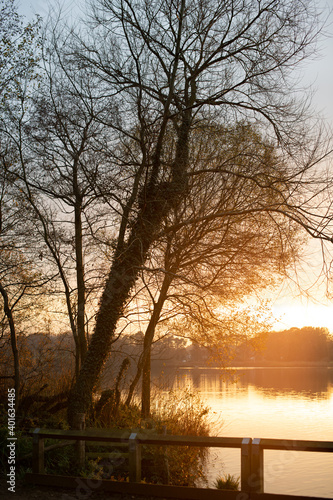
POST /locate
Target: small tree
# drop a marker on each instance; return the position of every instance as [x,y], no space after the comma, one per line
[21,285]
[61,174]
[18,45]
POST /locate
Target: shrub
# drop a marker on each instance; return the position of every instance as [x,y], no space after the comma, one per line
[227,482]
[177,413]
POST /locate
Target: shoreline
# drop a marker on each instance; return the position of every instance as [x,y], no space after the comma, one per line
[240,364]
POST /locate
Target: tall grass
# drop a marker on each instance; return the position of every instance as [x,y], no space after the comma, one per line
[183,413]
[227,482]
[175,413]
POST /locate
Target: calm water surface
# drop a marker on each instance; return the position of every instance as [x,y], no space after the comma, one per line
[284,403]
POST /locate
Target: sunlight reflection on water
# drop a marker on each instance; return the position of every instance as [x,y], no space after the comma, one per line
[285,403]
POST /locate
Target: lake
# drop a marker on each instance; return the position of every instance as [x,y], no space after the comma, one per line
[284,403]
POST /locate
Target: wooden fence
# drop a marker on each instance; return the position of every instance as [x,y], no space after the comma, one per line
[251,456]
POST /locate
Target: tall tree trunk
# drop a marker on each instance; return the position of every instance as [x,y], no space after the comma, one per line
[149,337]
[157,202]
[9,314]
[82,341]
[145,389]
[144,361]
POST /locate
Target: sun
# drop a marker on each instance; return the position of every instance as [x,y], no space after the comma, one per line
[300,315]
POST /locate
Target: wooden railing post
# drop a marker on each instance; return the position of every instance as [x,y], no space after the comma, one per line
[134,459]
[165,458]
[246,464]
[80,424]
[37,453]
[257,466]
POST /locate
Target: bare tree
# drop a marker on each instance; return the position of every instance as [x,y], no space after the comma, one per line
[165,66]
[62,173]
[22,285]
[19,57]
[219,260]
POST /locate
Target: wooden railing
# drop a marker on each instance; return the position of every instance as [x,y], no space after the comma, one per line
[252,457]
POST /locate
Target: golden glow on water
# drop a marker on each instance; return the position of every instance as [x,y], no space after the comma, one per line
[285,403]
[263,414]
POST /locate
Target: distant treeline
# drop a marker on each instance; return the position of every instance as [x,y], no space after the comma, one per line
[299,344]
[307,344]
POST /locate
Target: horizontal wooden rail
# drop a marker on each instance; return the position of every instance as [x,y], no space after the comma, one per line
[83,488]
[296,445]
[144,437]
[86,487]
[198,441]
[252,450]
[97,435]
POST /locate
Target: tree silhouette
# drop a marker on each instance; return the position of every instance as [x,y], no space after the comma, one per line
[165,66]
